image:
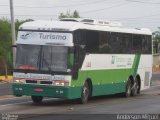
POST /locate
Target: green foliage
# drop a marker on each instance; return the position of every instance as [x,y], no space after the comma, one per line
[156,41]
[76,14]
[5,44]
[156,35]
[68,14]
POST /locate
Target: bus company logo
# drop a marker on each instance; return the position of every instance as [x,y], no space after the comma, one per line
[27,35]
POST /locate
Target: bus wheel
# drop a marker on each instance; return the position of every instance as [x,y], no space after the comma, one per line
[139,87]
[128,89]
[37,99]
[85,93]
[135,89]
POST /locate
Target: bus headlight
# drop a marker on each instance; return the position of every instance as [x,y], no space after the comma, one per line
[60,83]
[19,81]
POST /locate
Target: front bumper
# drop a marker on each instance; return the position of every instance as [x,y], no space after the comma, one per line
[46,91]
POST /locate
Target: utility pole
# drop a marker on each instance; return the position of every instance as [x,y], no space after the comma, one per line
[13,31]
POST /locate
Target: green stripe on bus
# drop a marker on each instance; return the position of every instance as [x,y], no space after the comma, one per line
[103,76]
[136,64]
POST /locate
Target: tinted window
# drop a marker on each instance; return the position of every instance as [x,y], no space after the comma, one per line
[79,37]
[147,44]
[113,42]
[104,44]
[126,43]
[137,43]
[92,41]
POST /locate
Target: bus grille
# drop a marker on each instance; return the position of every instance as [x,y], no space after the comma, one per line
[39,82]
[46,82]
[31,81]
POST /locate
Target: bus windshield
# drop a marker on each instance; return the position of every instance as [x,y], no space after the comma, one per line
[27,57]
[43,58]
[54,58]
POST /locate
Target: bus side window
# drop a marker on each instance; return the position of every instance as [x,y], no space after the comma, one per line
[137,43]
[92,41]
[146,45]
[104,45]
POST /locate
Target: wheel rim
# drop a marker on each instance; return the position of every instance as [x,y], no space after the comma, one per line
[129,90]
[136,87]
[85,92]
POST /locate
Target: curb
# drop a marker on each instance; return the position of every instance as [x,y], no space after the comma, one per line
[8,78]
[5,81]
[6,96]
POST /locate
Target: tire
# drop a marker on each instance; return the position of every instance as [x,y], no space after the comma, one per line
[37,99]
[85,93]
[139,88]
[128,89]
[135,88]
[18,95]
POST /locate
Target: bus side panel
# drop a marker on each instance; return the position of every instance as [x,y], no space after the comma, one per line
[145,71]
[108,77]
[108,89]
[109,81]
[104,81]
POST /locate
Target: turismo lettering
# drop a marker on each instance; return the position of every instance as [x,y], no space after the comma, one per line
[54,37]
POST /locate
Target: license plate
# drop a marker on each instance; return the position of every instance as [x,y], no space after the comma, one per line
[38,90]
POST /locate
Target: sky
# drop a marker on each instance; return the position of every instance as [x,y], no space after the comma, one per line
[131,13]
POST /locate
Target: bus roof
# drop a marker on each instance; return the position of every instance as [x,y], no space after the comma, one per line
[87,24]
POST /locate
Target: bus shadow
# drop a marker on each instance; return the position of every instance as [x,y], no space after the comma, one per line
[66,102]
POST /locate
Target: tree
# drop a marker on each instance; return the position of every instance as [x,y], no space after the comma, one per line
[5,44]
[68,14]
[76,14]
[156,40]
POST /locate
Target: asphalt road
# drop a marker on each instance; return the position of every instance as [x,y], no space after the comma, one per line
[146,103]
[156,76]
[5,89]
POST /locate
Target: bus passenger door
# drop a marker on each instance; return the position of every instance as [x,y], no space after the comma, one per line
[79,55]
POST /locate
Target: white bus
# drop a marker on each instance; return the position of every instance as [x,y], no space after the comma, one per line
[75,58]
